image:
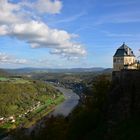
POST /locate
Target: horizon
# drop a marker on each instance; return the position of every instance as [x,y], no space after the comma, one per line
[61,34]
[56,68]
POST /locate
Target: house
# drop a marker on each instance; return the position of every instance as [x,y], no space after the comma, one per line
[1,120]
[124,58]
[12,119]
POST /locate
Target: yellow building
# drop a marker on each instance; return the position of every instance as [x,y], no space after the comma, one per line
[124,58]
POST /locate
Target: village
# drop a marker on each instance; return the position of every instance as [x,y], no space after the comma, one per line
[13,118]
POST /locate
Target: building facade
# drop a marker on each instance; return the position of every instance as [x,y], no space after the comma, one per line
[124,58]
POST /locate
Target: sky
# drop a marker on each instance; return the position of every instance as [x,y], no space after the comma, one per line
[66,33]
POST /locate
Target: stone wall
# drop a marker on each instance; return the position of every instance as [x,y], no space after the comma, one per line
[124,99]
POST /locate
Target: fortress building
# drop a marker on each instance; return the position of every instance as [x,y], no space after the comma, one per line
[124,58]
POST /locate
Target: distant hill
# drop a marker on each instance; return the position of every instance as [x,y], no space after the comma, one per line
[42,70]
[108,70]
[3,73]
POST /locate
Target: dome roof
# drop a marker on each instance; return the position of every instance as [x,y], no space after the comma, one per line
[124,50]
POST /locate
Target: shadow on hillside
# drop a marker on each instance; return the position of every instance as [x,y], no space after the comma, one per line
[3,133]
[31,133]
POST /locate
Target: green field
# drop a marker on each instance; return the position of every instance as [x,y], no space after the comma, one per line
[13,80]
[4,79]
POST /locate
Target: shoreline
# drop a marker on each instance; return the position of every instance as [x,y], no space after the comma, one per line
[45,112]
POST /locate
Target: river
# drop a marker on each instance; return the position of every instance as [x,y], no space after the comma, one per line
[71,100]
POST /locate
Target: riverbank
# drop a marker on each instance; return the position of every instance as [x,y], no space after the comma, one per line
[43,111]
[62,107]
[32,118]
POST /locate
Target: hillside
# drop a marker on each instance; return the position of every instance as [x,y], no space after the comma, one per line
[23,102]
[17,96]
[110,110]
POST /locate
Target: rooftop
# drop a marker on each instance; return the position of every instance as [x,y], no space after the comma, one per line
[124,50]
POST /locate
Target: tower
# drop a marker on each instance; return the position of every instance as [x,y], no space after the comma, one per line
[124,58]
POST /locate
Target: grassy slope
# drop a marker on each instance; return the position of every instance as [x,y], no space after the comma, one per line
[18,95]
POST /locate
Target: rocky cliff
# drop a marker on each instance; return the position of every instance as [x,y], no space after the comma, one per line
[124,99]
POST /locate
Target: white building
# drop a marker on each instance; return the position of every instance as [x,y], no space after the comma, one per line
[124,58]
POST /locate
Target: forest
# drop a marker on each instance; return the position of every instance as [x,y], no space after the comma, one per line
[100,116]
[18,97]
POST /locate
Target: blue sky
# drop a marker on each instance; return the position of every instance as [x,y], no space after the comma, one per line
[66,33]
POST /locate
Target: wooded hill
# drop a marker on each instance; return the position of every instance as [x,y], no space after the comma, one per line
[17,97]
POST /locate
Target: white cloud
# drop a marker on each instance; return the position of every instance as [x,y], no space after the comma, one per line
[3,30]
[8,12]
[5,58]
[40,35]
[73,52]
[43,6]
[37,33]
[48,6]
